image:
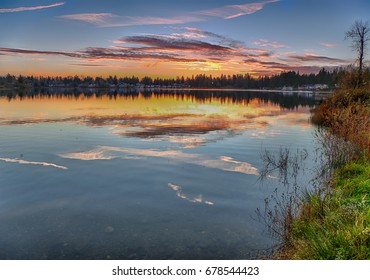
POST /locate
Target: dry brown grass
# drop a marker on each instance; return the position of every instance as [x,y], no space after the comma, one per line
[347,113]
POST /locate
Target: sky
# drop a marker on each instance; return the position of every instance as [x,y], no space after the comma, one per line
[175,38]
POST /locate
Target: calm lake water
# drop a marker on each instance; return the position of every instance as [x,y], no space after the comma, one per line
[141,176]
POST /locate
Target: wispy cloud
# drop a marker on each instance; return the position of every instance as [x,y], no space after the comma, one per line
[316,58]
[234,11]
[267,43]
[97,19]
[328,45]
[260,67]
[23,9]
[112,20]
[94,54]
[270,64]
[32,52]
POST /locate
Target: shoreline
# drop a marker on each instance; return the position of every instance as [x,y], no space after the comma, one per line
[333,221]
[146,89]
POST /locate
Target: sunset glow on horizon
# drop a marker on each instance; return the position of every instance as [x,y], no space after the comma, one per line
[166,39]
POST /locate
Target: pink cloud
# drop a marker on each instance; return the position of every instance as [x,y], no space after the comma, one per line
[328,45]
[112,20]
[22,9]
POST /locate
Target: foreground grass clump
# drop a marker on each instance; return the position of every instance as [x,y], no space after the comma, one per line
[337,225]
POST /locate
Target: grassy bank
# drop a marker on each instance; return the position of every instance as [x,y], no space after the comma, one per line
[337,225]
[334,222]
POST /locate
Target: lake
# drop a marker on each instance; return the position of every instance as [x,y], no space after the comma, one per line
[164,175]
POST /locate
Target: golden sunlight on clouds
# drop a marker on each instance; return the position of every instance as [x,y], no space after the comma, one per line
[97,109]
[186,121]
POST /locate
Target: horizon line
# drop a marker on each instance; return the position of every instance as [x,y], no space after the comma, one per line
[329,69]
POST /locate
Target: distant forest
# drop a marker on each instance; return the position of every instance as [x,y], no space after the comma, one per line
[291,79]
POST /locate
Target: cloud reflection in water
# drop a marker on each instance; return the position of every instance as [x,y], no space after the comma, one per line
[188,130]
[197,199]
[223,163]
[21,161]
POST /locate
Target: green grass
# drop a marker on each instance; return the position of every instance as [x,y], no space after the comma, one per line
[337,225]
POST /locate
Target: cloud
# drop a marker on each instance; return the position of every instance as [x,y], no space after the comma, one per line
[88,65]
[199,33]
[22,9]
[267,43]
[39,59]
[264,67]
[112,20]
[269,64]
[196,53]
[127,54]
[191,48]
[328,45]
[175,44]
[175,47]
[107,54]
[234,11]
[97,19]
[316,58]
[222,51]
[32,52]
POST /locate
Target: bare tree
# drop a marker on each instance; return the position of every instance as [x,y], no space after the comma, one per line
[359,33]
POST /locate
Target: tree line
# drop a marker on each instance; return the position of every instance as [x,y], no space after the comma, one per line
[291,79]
